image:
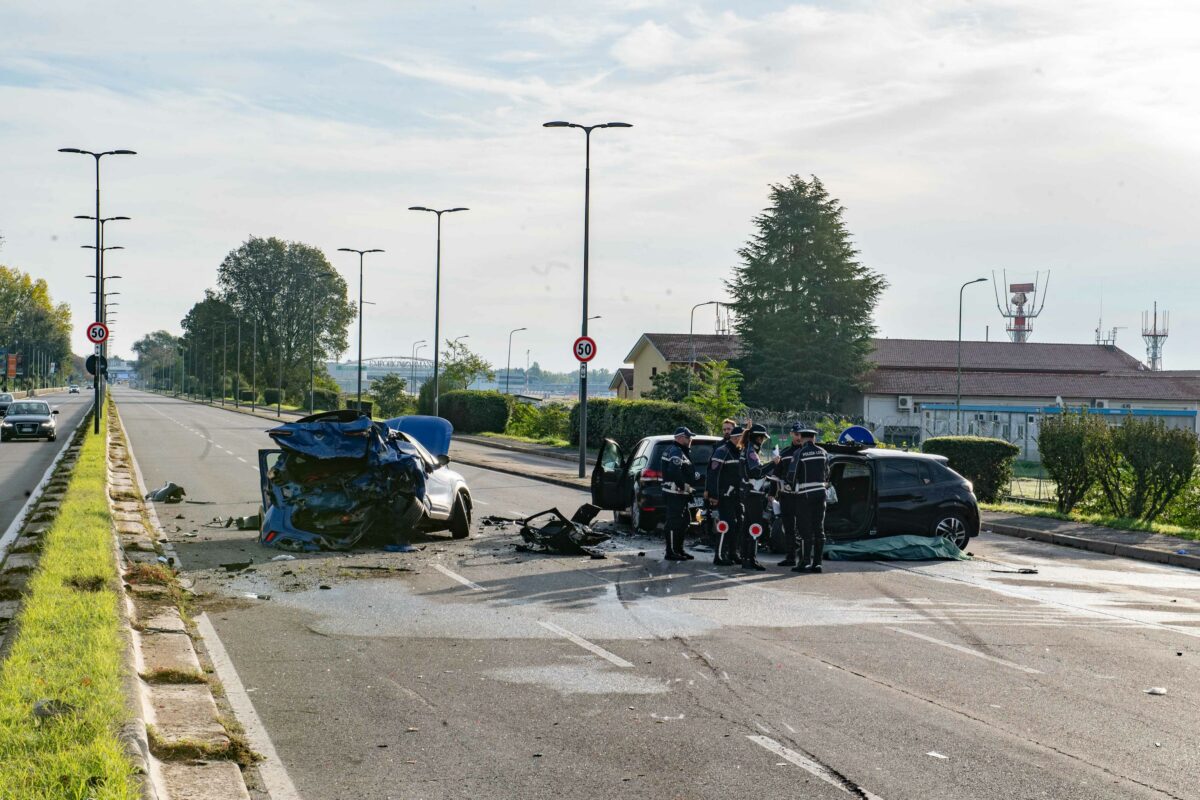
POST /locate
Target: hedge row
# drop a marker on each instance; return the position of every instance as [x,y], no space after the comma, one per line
[628,421]
[475,411]
[986,463]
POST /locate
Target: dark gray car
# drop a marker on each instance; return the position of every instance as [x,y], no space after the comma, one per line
[6,400]
[29,419]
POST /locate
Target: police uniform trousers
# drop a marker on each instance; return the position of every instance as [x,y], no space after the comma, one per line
[677,521]
[787,510]
[729,510]
[753,511]
[810,527]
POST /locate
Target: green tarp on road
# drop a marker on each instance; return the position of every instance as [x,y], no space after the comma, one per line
[895,548]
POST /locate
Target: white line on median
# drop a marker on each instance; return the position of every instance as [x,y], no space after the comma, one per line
[807,764]
[968,651]
[459,578]
[274,774]
[586,645]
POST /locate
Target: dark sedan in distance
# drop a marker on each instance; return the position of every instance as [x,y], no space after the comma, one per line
[6,400]
[29,419]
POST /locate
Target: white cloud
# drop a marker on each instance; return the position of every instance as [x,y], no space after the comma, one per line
[647,47]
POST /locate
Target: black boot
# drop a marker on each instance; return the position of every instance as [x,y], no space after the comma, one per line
[801,561]
[790,561]
[818,552]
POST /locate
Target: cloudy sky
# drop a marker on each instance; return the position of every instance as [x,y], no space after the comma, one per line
[963,138]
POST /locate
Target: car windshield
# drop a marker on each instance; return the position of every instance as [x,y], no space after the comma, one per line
[17,409]
[5,398]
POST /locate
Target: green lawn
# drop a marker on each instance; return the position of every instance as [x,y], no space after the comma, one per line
[68,650]
[1103,520]
[548,440]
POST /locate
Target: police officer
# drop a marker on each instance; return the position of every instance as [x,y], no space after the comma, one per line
[679,475]
[807,477]
[787,498]
[753,474]
[721,487]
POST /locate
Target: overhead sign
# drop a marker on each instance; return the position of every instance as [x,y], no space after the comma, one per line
[97,332]
[584,348]
[96,361]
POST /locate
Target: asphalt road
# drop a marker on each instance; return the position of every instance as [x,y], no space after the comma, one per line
[472,669]
[23,462]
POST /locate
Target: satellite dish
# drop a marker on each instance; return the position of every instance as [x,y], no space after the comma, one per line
[1058,401]
[856,436]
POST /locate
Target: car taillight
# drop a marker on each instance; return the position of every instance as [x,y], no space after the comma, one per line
[271,536]
[651,475]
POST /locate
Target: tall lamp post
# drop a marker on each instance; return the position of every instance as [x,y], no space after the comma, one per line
[692,339]
[508,369]
[412,365]
[587,191]
[437,295]
[98,410]
[958,390]
[361,253]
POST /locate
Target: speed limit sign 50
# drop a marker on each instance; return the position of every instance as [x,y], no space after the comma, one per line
[584,348]
[97,332]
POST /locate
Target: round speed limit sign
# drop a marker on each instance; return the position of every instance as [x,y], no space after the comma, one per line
[584,348]
[97,332]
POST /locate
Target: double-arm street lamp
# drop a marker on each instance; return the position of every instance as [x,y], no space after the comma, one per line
[99,261]
[361,253]
[412,365]
[958,390]
[508,368]
[587,189]
[437,294]
[692,339]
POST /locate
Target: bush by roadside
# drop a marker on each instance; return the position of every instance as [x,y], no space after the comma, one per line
[474,411]
[628,421]
[61,694]
[986,463]
[549,423]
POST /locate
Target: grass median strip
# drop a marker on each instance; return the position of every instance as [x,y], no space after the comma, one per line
[61,693]
[1101,520]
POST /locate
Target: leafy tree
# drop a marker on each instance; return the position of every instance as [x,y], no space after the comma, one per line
[458,369]
[716,394]
[803,303]
[1141,465]
[31,323]
[158,357]
[1062,442]
[671,385]
[387,391]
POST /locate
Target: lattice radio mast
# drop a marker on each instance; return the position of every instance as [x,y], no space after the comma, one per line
[1154,334]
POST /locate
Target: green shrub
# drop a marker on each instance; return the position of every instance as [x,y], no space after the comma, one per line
[628,421]
[986,463]
[1141,466]
[475,411]
[1062,443]
[270,396]
[325,399]
[545,421]
[247,396]
[367,406]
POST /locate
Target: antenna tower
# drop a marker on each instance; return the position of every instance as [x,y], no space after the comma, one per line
[1020,304]
[1154,334]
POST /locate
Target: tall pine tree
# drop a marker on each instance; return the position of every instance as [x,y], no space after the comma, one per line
[804,304]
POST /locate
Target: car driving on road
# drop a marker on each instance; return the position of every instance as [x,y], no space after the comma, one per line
[29,419]
[879,492]
[73,389]
[6,400]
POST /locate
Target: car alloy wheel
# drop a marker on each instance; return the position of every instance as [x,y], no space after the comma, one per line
[953,527]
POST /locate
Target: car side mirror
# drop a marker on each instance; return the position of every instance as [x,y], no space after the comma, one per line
[443,460]
[55,411]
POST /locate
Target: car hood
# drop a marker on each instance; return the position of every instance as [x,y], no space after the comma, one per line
[434,433]
[27,418]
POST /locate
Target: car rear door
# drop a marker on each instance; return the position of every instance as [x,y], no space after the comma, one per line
[609,489]
[903,496]
[266,462]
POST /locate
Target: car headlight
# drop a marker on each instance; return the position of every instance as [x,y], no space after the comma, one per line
[5,424]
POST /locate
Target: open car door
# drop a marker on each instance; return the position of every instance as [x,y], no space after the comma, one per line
[608,478]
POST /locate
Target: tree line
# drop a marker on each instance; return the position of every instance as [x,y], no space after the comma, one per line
[32,326]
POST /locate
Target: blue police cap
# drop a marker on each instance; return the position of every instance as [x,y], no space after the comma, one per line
[682,430]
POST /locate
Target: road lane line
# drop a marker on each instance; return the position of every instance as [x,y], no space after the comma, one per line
[274,775]
[586,645]
[244,461]
[459,578]
[808,765]
[968,651]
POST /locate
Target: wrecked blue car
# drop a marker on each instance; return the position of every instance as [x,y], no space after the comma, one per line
[339,479]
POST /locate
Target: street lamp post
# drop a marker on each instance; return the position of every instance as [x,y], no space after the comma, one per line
[692,339]
[98,411]
[361,253]
[412,364]
[437,296]
[508,368]
[958,390]
[237,377]
[587,190]
[254,365]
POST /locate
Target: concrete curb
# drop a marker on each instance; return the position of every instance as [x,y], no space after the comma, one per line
[1096,545]
[570,483]
[517,447]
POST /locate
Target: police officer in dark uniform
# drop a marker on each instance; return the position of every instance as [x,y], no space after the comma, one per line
[721,487]
[787,498]
[679,475]
[753,473]
[807,478]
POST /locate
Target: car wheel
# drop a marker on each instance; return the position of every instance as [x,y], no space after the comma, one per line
[635,512]
[460,518]
[952,526]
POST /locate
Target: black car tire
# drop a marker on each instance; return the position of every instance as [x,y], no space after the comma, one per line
[51,438]
[952,525]
[640,521]
[460,518]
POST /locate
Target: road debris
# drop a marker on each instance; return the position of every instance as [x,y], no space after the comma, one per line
[236,566]
[167,493]
[1155,690]
[247,523]
[284,557]
[562,536]
[1019,571]
[936,754]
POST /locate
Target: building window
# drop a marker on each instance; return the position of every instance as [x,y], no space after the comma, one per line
[653,371]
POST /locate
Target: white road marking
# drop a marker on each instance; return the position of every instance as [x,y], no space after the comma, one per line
[274,774]
[612,658]
[807,764]
[244,461]
[968,651]
[459,578]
